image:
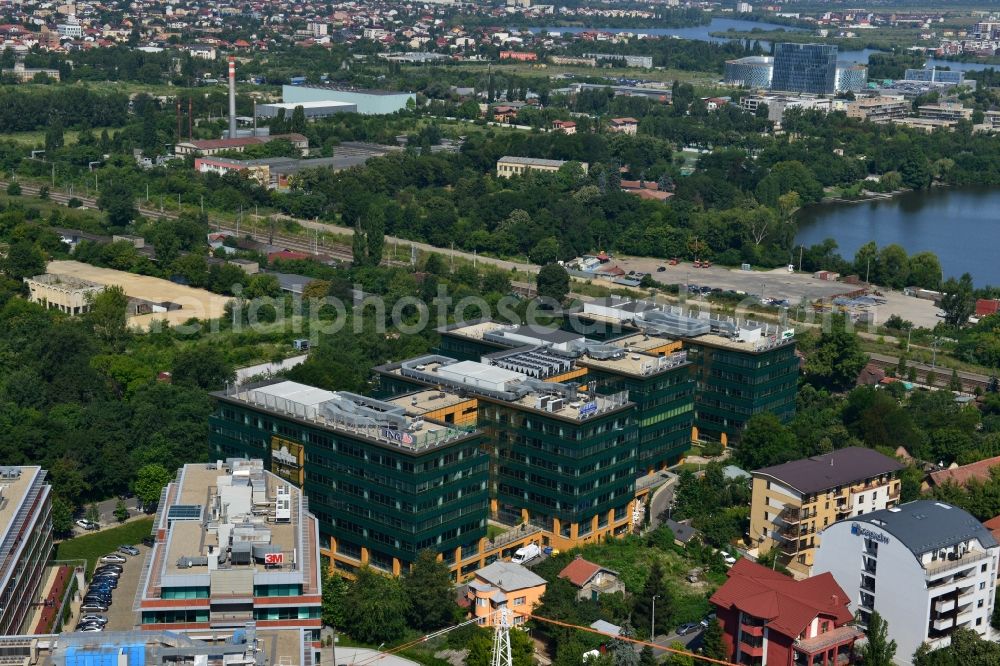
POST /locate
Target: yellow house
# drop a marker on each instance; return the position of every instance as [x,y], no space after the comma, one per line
[793,502]
[504,585]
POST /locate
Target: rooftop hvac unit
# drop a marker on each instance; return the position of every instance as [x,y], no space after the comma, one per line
[555,404]
[542,402]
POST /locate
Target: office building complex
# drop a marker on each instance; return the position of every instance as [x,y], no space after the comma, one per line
[383,484]
[562,456]
[793,502]
[741,368]
[778,103]
[935,76]
[750,72]
[928,568]
[806,68]
[768,618]
[25,543]
[851,77]
[654,371]
[508,166]
[882,109]
[234,544]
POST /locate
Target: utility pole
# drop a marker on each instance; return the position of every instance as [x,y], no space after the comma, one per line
[652,620]
[800,258]
[868,270]
[147,192]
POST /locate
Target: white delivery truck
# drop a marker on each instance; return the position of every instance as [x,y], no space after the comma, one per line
[526,554]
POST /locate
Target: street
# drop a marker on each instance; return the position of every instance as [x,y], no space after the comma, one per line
[662,498]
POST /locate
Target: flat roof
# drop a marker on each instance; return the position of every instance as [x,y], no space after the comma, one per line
[359,91]
[360,416]
[307,105]
[421,402]
[640,364]
[715,340]
[13,491]
[926,525]
[473,330]
[531,161]
[830,470]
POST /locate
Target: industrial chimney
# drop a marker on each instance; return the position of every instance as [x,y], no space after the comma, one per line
[232,97]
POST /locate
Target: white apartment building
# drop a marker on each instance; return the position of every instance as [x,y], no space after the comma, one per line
[927,567]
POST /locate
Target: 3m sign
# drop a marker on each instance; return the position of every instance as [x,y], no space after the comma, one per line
[274,558]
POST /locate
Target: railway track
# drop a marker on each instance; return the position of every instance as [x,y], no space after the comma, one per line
[970,380]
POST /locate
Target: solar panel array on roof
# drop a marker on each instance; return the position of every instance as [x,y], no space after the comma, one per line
[185,512]
[534,362]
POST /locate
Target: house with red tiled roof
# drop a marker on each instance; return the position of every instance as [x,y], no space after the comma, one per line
[993,525]
[591,579]
[960,475]
[770,618]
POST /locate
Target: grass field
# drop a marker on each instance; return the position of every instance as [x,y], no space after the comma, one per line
[91,547]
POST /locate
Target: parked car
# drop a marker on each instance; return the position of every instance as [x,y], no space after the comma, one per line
[90,628]
[85,524]
[94,607]
[128,550]
[728,559]
[687,628]
[148,541]
[660,269]
[707,620]
[89,619]
[104,585]
[114,575]
[114,558]
[109,567]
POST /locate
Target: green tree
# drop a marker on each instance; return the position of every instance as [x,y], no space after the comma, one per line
[62,517]
[108,317]
[955,383]
[121,511]
[431,593]
[676,659]
[925,270]
[335,589]
[202,366]
[894,266]
[712,645]
[262,285]
[374,222]
[642,607]
[93,514]
[522,648]
[546,251]
[480,650]
[376,608]
[553,282]
[150,481]
[878,650]
[23,259]
[298,122]
[766,441]
[647,657]
[958,301]
[837,359]
[117,202]
[54,135]
[14,188]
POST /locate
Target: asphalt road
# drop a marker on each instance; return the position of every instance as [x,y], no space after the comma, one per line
[662,498]
[121,617]
[107,510]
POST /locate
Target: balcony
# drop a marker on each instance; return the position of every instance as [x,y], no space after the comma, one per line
[943,623]
[971,557]
[790,515]
[944,605]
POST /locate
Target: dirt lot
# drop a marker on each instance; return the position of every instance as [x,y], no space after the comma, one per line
[197,303]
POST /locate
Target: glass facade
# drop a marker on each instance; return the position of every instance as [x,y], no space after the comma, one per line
[734,384]
[366,494]
[750,72]
[664,411]
[851,78]
[562,469]
[805,68]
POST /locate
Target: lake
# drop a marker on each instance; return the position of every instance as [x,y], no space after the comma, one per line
[959,225]
[702,33]
[699,33]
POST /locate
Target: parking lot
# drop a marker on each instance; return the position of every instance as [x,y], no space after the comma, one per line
[120,614]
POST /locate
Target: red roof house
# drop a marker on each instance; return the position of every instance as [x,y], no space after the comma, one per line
[772,618]
[286,255]
[961,475]
[591,579]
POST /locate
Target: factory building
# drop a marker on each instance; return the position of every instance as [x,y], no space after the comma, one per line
[367,102]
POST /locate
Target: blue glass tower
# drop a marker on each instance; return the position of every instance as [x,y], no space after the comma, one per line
[806,68]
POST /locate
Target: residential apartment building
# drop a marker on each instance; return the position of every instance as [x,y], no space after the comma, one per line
[952,111]
[234,544]
[805,68]
[508,166]
[882,109]
[928,568]
[777,104]
[504,585]
[793,502]
[383,484]
[25,543]
[770,619]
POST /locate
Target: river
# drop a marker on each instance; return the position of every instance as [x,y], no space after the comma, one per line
[959,225]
